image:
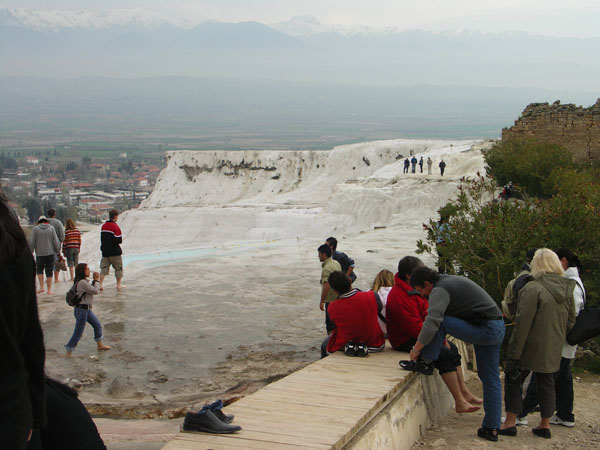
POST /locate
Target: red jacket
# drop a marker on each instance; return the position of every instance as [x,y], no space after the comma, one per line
[355,317]
[404,313]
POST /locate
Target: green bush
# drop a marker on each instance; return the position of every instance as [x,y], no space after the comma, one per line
[486,239]
[532,165]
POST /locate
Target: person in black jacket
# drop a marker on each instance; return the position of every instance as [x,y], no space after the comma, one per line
[22,353]
[345,261]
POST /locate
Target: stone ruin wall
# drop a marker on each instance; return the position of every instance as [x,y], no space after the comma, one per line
[573,127]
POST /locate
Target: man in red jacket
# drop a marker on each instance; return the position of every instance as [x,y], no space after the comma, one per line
[110,245]
[405,312]
[354,315]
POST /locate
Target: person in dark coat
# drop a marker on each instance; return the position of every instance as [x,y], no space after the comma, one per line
[22,353]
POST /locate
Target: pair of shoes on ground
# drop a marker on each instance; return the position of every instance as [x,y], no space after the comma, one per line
[491,434]
[512,431]
[210,419]
[417,366]
[555,420]
[356,349]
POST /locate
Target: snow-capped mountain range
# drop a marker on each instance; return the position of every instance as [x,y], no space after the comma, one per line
[298,26]
[139,43]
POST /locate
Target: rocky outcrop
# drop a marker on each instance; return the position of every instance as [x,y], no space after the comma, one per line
[573,127]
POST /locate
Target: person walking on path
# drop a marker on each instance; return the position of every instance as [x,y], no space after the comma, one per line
[60,232]
[421,164]
[545,314]
[83,311]
[406,165]
[71,245]
[44,242]
[110,245]
[413,162]
[429,164]
[463,309]
[442,167]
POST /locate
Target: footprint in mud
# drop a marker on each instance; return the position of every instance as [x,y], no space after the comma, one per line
[154,376]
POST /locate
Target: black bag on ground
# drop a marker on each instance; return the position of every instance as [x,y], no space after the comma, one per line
[586,326]
[72,298]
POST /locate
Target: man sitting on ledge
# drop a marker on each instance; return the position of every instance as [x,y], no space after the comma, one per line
[354,315]
[406,312]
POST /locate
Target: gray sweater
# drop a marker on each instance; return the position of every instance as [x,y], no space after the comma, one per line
[459,297]
[58,227]
[89,289]
[43,240]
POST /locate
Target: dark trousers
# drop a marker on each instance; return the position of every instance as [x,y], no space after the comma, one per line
[513,391]
[563,388]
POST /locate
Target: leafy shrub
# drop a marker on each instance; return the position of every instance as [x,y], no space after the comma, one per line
[532,165]
[486,239]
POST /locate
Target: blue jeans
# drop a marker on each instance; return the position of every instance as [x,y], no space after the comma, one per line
[83,316]
[486,339]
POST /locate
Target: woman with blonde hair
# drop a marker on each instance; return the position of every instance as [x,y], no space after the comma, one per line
[545,313]
[382,285]
[71,245]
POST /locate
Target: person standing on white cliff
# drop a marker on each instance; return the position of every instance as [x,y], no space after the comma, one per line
[442,166]
[429,164]
[110,245]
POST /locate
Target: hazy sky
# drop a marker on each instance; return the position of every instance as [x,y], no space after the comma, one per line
[548,17]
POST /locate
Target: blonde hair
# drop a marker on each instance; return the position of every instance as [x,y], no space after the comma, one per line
[383,278]
[70,224]
[545,261]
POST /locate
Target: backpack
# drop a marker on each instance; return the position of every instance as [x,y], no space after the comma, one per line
[72,298]
[511,294]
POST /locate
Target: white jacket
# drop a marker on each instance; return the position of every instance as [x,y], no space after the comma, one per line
[579,296]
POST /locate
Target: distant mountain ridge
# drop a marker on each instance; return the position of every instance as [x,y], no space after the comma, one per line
[130,43]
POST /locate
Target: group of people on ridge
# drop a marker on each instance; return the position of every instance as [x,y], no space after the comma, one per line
[417,308]
[412,165]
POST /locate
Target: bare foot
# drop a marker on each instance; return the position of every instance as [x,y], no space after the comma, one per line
[101,288]
[470,398]
[466,408]
[69,354]
[103,347]
[121,286]
[50,292]
[40,291]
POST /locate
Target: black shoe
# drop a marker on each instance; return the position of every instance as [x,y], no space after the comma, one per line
[417,366]
[215,407]
[542,432]
[207,421]
[491,434]
[510,431]
[361,349]
[350,349]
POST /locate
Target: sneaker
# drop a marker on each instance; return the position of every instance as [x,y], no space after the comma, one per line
[522,421]
[361,349]
[555,420]
[417,366]
[350,349]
